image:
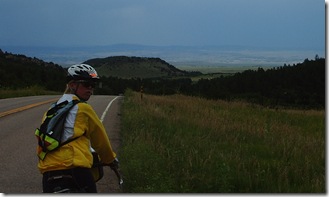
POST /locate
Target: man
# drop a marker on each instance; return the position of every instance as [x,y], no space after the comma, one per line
[69,166]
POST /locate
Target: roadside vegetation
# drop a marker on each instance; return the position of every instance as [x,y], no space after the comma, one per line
[28,91]
[177,144]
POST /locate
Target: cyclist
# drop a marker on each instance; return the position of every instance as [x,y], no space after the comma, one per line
[68,167]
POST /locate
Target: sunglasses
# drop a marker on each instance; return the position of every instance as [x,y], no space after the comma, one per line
[86,84]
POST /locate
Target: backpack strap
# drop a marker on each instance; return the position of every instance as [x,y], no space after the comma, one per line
[75,101]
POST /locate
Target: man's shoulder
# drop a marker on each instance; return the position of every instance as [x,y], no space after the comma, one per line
[84,106]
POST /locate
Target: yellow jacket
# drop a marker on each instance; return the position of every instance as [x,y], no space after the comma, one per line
[82,121]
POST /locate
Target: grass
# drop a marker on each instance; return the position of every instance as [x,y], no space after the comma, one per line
[229,69]
[29,91]
[210,72]
[180,144]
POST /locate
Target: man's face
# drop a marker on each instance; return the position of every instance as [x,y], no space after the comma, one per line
[84,88]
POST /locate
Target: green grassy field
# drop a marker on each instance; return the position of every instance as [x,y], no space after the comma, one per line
[180,144]
[221,69]
[29,91]
[210,72]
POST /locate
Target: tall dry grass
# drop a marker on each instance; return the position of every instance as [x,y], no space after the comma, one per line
[188,144]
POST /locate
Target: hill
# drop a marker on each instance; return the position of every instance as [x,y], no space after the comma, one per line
[135,67]
[19,71]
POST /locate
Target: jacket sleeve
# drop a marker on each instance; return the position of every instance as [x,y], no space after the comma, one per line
[98,136]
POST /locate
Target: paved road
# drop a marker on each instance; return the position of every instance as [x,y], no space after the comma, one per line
[18,119]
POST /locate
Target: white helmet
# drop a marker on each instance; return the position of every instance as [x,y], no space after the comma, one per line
[81,72]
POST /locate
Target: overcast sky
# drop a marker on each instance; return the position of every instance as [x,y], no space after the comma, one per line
[269,23]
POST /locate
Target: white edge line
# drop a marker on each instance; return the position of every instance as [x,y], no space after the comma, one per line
[107,108]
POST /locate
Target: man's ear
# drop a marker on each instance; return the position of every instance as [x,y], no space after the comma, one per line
[72,86]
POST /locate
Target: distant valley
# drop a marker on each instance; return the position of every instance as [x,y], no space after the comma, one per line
[179,56]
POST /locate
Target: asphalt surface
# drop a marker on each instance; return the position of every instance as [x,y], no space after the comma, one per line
[19,117]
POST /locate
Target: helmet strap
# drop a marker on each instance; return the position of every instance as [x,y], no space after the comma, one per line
[75,92]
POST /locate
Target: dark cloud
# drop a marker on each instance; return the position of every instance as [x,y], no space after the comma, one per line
[291,23]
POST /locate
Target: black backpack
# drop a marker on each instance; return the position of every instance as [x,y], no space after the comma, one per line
[50,133]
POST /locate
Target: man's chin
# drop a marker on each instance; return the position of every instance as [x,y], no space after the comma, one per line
[86,98]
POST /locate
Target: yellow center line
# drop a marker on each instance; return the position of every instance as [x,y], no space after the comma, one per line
[2,114]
